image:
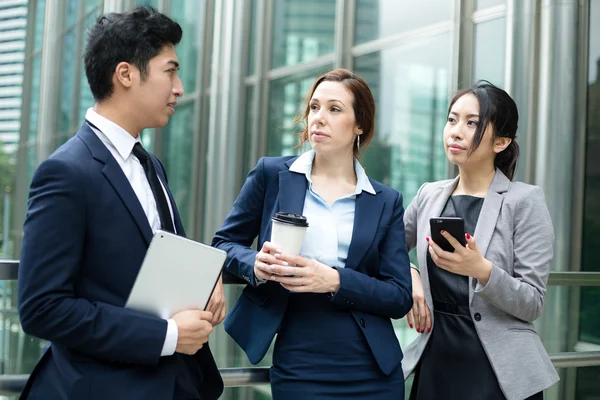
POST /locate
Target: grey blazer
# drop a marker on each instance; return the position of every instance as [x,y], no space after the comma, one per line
[514,231]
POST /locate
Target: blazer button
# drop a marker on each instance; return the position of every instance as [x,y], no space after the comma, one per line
[477,316]
[363,323]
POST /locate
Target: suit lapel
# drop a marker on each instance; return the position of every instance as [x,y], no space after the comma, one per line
[114,174]
[292,192]
[367,214]
[488,216]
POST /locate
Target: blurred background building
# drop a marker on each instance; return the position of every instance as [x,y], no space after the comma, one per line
[246,66]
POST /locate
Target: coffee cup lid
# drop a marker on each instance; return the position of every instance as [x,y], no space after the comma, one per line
[292,219]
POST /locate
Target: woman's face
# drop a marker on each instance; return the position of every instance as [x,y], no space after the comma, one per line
[332,127]
[459,131]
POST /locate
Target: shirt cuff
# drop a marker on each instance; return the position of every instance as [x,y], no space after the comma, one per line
[171,339]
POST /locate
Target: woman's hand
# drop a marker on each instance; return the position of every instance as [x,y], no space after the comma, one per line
[466,260]
[307,276]
[264,259]
[419,313]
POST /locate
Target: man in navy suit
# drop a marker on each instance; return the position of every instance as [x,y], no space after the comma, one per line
[93,208]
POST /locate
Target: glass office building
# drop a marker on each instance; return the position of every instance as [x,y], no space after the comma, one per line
[246,66]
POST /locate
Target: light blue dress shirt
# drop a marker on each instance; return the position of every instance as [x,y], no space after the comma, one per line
[330,227]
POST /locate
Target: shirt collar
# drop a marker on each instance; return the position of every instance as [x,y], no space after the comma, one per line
[118,136]
[303,165]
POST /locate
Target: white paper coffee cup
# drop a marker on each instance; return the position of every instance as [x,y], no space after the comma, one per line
[288,231]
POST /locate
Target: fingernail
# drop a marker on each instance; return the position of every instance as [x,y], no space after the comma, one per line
[468,236]
[410,326]
[428,330]
[279,251]
[284,263]
[427,238]
[442,231]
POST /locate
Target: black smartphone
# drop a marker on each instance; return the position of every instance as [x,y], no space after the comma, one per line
[453,225]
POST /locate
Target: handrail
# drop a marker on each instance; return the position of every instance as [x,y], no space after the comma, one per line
[9,271]
[237,377]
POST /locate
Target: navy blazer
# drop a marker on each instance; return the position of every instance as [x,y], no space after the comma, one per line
[85,237]
[375,285]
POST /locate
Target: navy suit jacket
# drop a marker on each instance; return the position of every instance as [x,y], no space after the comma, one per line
[85,237]
[375,285]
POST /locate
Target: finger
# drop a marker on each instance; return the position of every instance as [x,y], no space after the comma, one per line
[205,315]
[290,280]
[298,261]
[268,247]
[422,315]
[428,317]
[471,242]
[281,270]
[269,258]
[409,318]
[440,253]
[453,242]
[437,260]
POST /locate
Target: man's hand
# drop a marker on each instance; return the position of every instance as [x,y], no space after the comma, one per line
[217,304]
[193,328]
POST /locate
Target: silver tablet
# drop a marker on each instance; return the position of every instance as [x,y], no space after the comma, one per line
[177,274]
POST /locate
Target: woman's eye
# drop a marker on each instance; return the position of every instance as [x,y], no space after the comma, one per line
[452,120]
[335,109]
[313,107]
[472,123]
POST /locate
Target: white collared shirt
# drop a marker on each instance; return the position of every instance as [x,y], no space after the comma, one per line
[330,227]
[120,144]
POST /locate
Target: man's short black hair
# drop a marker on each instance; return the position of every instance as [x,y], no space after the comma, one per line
[134,37]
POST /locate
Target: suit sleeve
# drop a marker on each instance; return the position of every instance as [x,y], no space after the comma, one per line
[242,226]
[410,220]
[389,294]
[51,261]
[522,295]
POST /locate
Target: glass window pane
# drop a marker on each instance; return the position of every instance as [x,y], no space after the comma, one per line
[490,44]
[39,24]
[86,100]
[72,6]
[252,31]
[248,139]
[190,15]
[286,98]
[302,30]
[65,118]
[178,147]
[410,85]
[481,4]
[590,306]
[90,4]
[380,18]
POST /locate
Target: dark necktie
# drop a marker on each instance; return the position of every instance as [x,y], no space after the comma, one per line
[159,195]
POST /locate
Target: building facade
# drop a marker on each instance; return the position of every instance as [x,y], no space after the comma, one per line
[246,66]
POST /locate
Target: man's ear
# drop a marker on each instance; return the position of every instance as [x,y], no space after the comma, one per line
[501,143]
[124,74]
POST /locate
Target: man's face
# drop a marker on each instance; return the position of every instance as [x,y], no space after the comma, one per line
[156,96]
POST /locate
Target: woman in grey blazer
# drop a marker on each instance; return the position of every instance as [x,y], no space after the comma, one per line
[479,341]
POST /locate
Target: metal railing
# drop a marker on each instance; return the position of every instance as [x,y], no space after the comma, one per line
[237,377]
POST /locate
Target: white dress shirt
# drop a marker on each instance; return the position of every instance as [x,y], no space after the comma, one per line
[330,227]
[120,144]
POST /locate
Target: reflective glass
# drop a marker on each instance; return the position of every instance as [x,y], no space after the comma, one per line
[286,98]
[249,123]
[39,24]
[89,4]
[380,18]
[190,15]
[490,43]
[411,88]
[86,100]
[482,4]
[68,68]
[302,31]
[252,33]
[71,14]
[178,141]
[590,304]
